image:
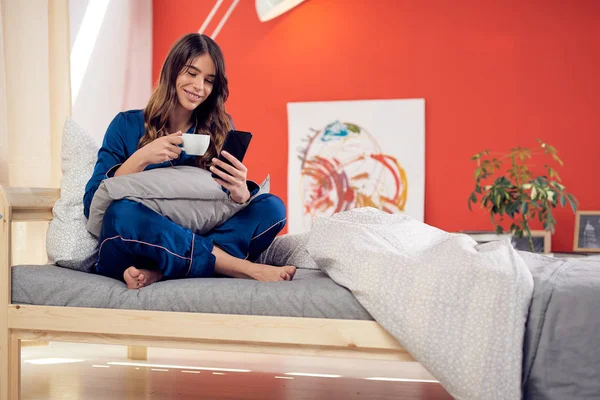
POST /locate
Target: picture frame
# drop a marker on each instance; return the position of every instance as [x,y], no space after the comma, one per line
[542,242]
[587,232]
[348,154]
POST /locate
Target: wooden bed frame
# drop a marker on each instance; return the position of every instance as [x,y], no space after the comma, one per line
[140,329]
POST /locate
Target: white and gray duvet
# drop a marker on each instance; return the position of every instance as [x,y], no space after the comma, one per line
[459,308]
[488,322]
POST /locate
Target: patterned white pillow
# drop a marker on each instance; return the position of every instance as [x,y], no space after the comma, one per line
[68,243]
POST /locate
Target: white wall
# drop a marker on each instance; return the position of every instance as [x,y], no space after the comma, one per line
[119,72]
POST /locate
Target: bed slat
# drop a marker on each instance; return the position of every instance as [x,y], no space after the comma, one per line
[234,330]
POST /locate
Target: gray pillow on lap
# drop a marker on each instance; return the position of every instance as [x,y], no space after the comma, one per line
[186,195]
[68,242]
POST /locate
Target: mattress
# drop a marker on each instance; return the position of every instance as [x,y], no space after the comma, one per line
[311,294]
[561,359]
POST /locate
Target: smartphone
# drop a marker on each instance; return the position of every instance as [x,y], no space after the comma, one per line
[236,143]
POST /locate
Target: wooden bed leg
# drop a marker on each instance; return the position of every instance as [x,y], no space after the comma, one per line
[14,369]
[5,291]
[139,353]
[4,364]
[10,385]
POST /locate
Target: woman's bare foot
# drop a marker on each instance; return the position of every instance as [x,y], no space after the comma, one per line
[267,273]
[139,278]
[226,264]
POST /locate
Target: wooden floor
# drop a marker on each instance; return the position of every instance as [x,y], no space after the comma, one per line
[103,372]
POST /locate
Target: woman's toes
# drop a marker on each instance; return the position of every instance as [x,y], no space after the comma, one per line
[133,271]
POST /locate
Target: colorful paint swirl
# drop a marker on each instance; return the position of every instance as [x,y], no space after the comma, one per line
[344,168]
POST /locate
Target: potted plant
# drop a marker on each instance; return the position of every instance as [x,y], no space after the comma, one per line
[506,187]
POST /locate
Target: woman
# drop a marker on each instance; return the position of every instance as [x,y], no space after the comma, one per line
[140,246]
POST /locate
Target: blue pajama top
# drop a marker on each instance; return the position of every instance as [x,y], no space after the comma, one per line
[120,142]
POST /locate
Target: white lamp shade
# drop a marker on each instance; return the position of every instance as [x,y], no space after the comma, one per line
[269,9]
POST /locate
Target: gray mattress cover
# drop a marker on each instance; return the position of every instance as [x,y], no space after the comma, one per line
[310,294]
[561,358]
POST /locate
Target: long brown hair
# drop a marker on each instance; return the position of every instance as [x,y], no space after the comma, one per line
[210,116]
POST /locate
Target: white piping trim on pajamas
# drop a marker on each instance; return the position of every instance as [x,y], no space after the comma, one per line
[268,229]
[191,254]
[138,241]
[191,258]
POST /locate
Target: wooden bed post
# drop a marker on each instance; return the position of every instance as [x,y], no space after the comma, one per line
[14,369]
[16,204]
[139,353]
[6,346]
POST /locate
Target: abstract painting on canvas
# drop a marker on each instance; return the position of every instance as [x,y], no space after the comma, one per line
[349,154]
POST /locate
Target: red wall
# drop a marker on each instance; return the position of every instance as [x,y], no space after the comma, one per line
[493,76]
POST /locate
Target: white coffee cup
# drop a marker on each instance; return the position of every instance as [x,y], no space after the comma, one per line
[195,145]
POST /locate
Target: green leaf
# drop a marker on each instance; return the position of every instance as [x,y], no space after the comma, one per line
[479,155]
[551,224]
[512,209]
[533,193]
[524,208]
[563,200]
[532,214]
[557,159]
[549,210]
[572,202]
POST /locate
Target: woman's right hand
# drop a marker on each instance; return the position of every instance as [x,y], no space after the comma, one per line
[156,152]
[160,150]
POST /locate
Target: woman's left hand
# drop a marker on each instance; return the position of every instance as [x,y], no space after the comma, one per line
[234,180]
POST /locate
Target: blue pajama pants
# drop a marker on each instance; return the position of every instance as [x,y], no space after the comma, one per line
[134,235]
